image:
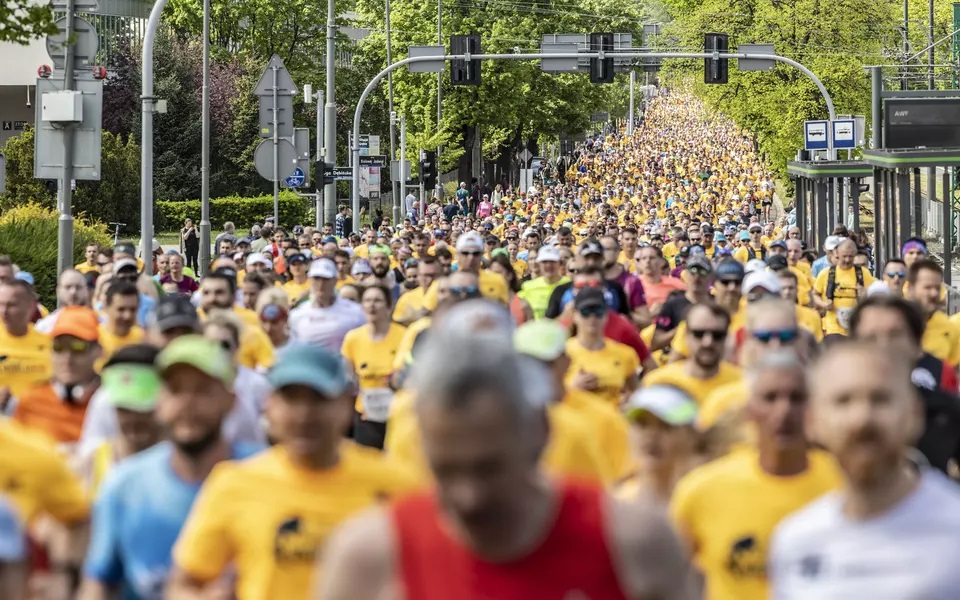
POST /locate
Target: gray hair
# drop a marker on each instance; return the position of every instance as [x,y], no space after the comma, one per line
[778,360]
[452,369]
[472,316]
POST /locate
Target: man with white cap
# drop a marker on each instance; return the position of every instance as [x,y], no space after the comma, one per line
[537,291]
[829,247]
[761,284]
[325,320]
[839,287]
[470,258]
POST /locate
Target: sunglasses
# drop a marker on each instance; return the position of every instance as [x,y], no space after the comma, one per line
[730,282]
[896,274]
[477,253]
[466,291]
[717,334]
[593,311]
[698,270]
[102,264]
[73,346]
[785,336]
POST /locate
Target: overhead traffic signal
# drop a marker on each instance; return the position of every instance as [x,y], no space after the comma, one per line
[715,71]
[428,170]
[465,72]
[601,69]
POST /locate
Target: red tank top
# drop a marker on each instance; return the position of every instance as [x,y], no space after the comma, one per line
[572,563]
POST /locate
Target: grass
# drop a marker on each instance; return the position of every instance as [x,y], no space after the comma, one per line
[168,238]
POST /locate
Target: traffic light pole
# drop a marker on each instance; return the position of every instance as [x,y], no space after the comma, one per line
[358,113]
[65,222]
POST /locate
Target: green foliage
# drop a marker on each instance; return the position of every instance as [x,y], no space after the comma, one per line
[834,40]
[28,234]
[169,216]
[23,21]
[116,197]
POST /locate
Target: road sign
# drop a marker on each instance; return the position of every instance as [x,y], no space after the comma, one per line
[87,42]
[622,42]
[85,6]
[48,140]
[525,156]
[844,134]
[427,66]
[301,142]
[263,158]
[373,161]
[276,90]
[600,117]
[816,135]
[296,178]
[343,173]
[754,64]
[559,65]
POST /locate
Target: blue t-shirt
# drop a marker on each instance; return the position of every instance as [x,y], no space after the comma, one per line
[137,517]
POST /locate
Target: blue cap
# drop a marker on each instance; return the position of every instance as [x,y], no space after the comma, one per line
[729,269]
[509,217]
[779,244]
[309,366]
[329,239]
[719,238]
[24,276]
[744,236]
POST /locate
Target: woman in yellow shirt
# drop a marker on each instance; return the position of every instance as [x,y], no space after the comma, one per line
[603,367]
[369,351]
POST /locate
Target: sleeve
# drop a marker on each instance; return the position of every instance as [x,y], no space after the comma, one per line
[640,354]
[204,547]
[638,296]
[622,301]
[666,320]
[99,422]
[103,561]
[683,510]
[63,496]
[430,297]
[554,306]
[948,380]
[820,283]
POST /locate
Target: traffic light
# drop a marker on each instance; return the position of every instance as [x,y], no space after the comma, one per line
[601,69]
[428,170]
[325,171]
[715,71]
[465,72]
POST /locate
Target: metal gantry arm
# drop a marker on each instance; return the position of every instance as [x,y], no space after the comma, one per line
[355,148]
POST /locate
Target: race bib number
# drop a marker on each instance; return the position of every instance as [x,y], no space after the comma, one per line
[843,317]
[376,404]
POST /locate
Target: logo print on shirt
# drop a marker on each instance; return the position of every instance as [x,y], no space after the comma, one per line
[747,558]
[810,566]
[295,540]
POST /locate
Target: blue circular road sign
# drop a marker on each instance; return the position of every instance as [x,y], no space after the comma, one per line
[296,178]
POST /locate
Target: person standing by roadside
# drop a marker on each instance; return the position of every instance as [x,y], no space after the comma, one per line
[190,244]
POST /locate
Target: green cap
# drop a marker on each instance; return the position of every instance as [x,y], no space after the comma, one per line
[379,249]
[670,404]
[543,339]
[499,251]
[131,386]
[199,353]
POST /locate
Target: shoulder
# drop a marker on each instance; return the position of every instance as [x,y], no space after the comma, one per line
[813,520]
[722,470]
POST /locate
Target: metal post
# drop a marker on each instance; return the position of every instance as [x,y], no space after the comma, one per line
[930,82]
[318,177]
[146,127]
[276,152]
[403,171]
[393,137]
[947,232]
[330,120]
[917,204]
[906,43]
[65,222]
[439,189]
[423,203]
[633,81]
[205,146]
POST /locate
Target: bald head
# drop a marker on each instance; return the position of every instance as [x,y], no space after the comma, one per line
[72,289]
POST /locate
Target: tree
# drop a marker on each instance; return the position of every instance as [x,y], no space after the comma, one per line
[22,21]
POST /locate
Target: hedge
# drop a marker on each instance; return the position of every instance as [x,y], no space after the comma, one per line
[169,215]
[28,234]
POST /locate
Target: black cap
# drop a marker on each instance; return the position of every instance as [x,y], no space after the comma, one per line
[777,262]
[299,257]
[706,229]
[125,248]
[231,273]
[176,311]
[590,247]
[729,269]
[589,297]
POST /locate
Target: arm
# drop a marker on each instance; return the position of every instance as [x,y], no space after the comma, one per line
[662,338]
[92,589]
[13,579]
[182,586]
[358,561]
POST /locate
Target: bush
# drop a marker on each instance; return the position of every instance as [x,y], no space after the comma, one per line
[294,210]
[28,234]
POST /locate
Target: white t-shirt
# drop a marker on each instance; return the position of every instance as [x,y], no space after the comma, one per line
[326,327]
[910,553]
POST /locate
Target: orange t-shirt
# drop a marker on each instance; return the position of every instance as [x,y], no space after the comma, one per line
[41,408]
[657,293]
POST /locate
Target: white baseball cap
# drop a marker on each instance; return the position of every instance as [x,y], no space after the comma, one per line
[755,264]
[323,268]
[832,242]
[669,404]
[470,242]
[548,254]
[767,280]
[255,259]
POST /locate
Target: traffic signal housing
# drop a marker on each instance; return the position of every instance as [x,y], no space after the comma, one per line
[601,69]
[428,170]
[325,172]
[465,72]
[716,71]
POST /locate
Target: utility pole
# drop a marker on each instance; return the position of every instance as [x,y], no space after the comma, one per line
[393,148]
[330,119]
[398,216]
[930,83]
[633,81]
[205,148]
[906,43]
[439,189]
[65,222]
[318,177]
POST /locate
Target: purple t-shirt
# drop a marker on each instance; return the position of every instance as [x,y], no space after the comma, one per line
[185,286]
[632,288]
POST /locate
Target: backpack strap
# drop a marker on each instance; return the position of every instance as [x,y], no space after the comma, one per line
[832,281]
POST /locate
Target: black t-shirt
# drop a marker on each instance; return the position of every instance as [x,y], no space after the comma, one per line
[617,299]
[673,311]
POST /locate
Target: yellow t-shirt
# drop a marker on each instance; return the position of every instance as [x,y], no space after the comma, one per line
[409,305]
[86,267]
[256,349]
[492,286]
[810,320]
[941,338]
[699,389]
[844,298]
[804,284]
[27,359]
[725,399]
[273,538]
[608,426]
[728,509]
[406,343]
[296,290]
[36,478]
[110,343]
[679,343]
[614,365]
[373,363]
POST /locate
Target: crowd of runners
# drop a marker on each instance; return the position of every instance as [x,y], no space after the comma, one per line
[637,381]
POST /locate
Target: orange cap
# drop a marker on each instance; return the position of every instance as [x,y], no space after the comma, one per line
[79,321]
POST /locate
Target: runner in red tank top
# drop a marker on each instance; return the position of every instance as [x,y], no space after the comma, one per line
[495,528]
